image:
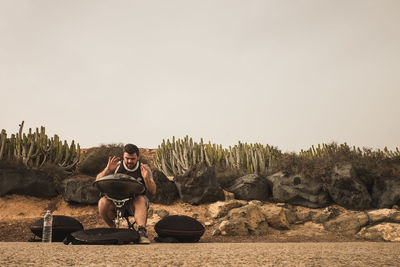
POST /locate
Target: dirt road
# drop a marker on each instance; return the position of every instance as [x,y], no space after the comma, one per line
[202,254]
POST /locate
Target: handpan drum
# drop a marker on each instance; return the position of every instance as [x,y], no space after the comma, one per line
[119,186]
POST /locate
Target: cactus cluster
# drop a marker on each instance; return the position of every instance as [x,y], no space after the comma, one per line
[333,148]
[253,158]
[35,148]
[178,156]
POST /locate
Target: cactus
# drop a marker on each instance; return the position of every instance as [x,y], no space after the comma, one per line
[179,156]
[35,148]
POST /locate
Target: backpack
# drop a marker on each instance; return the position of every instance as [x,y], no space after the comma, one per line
[103,236]
[178,228]
[62,226]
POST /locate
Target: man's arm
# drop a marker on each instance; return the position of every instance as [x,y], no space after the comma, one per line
[112,164]
[148,178]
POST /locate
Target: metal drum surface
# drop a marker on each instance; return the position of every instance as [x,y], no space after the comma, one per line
[119,186]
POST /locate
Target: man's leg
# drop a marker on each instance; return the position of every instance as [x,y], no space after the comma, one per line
[140,206]
[107,211]
[140,210]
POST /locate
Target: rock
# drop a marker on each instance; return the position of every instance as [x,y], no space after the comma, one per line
[386,192]
[162,213]
[28,182]
[325,215]
[199,186]
[298,190]
[233,228]
[346,190]
[216,232]
[228,195]
[302,214]
[347,224]
[221,208]
[81,190]
[250,187]
[381,232]
[384,215]
[251,215]
[256,202]
[276,216]
[150,212]
[166,193]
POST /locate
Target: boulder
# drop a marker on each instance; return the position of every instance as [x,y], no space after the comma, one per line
[276,216]
[381,232]
[232,228]
[383,215]
[346,190]
[298,190]
[386,192]
[166,192]
[28,182]
[199,185]
[221,208]
[80,189]
[252,216]
[250,187]
[347,224]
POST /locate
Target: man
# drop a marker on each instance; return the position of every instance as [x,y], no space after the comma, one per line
[138,207]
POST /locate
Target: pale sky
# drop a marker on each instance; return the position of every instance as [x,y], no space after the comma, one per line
[286,73]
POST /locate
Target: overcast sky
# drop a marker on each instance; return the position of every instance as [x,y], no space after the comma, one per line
[286,73]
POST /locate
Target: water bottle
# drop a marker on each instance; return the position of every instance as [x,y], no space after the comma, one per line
[47,227]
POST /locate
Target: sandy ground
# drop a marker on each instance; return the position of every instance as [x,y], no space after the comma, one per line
[202,254]
[18,213]
[303,245]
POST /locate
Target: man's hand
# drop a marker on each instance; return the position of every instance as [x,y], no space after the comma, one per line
[148,178]
[145,170]
[113,163]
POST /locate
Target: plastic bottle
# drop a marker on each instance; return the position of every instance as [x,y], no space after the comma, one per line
[47,227]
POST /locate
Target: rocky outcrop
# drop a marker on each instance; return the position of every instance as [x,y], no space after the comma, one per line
[382,232]
[221,208]
[250,187]
[80,189]
[348,224]
[386,192]
[261,218]
[277,217]
[346,190]
[298,190]
[384,215]
[199,185]
[166,193]
[245,220]
[27,182]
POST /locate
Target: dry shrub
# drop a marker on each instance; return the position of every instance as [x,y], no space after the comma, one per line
[368,165]
[97,159]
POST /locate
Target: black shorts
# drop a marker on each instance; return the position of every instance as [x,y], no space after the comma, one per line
[129,205]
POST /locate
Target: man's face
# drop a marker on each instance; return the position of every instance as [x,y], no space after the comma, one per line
[130,160]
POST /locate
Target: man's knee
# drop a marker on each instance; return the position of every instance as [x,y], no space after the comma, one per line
[105,204]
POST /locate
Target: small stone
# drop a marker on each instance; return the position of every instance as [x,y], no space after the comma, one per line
[256,202]
[162,213]
[150,212]
[216,232]
[208,223]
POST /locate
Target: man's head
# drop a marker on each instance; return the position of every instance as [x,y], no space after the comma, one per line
[131,155]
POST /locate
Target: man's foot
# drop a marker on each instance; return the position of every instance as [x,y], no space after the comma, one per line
[143,239]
